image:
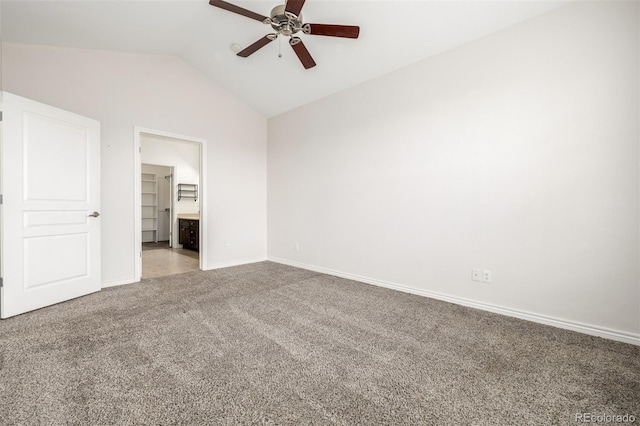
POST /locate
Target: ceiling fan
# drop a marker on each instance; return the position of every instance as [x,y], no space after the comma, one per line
[286,20]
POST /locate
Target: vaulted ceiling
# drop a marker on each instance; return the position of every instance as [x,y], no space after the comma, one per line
[393,34]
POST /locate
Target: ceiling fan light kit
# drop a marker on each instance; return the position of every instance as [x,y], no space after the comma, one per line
[286,20]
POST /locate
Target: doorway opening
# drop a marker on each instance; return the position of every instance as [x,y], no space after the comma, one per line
[170,226]
[159,257]
[156,203]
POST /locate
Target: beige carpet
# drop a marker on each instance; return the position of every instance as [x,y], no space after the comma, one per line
[271,344]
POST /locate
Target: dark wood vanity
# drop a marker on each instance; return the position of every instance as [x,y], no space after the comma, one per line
[189,235]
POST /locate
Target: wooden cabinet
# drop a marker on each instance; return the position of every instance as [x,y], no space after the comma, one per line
[189,235]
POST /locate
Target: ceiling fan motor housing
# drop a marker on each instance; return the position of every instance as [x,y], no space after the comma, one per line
[284,22]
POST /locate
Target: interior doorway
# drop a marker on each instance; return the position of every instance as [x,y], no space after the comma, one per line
[157,203]
[170,211]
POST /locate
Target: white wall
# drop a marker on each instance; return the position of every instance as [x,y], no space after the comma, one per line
[1,108]
[162,93]
[0,46]
[517,153]
[183,155]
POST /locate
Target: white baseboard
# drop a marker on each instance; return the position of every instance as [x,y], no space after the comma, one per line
[234,263]
[620,336]
[117,283]
[215,266]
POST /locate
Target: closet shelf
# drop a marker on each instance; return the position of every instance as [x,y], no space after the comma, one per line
[149,204]
[187,190]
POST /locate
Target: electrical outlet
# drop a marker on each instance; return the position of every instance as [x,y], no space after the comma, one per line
[228,246]
[486,276]
[297,247]
[476,275]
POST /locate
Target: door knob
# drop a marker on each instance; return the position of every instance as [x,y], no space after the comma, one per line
[94,214]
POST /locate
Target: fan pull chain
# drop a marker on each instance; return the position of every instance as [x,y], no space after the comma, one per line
[279,46]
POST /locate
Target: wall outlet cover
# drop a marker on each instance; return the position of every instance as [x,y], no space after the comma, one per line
[476,275]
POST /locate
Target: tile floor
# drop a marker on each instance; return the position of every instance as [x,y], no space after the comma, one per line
[158,260]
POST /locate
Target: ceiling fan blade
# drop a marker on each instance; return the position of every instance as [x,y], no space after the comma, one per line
[237,9]
[302,52]
[347,31]
[294,6]
[256,46]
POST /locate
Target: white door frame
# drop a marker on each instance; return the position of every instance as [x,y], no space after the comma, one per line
[137,194]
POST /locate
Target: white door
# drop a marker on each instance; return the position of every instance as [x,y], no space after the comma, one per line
[50,166]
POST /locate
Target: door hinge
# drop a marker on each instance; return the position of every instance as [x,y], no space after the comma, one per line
[0,115]
[1,282]
[0,198]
